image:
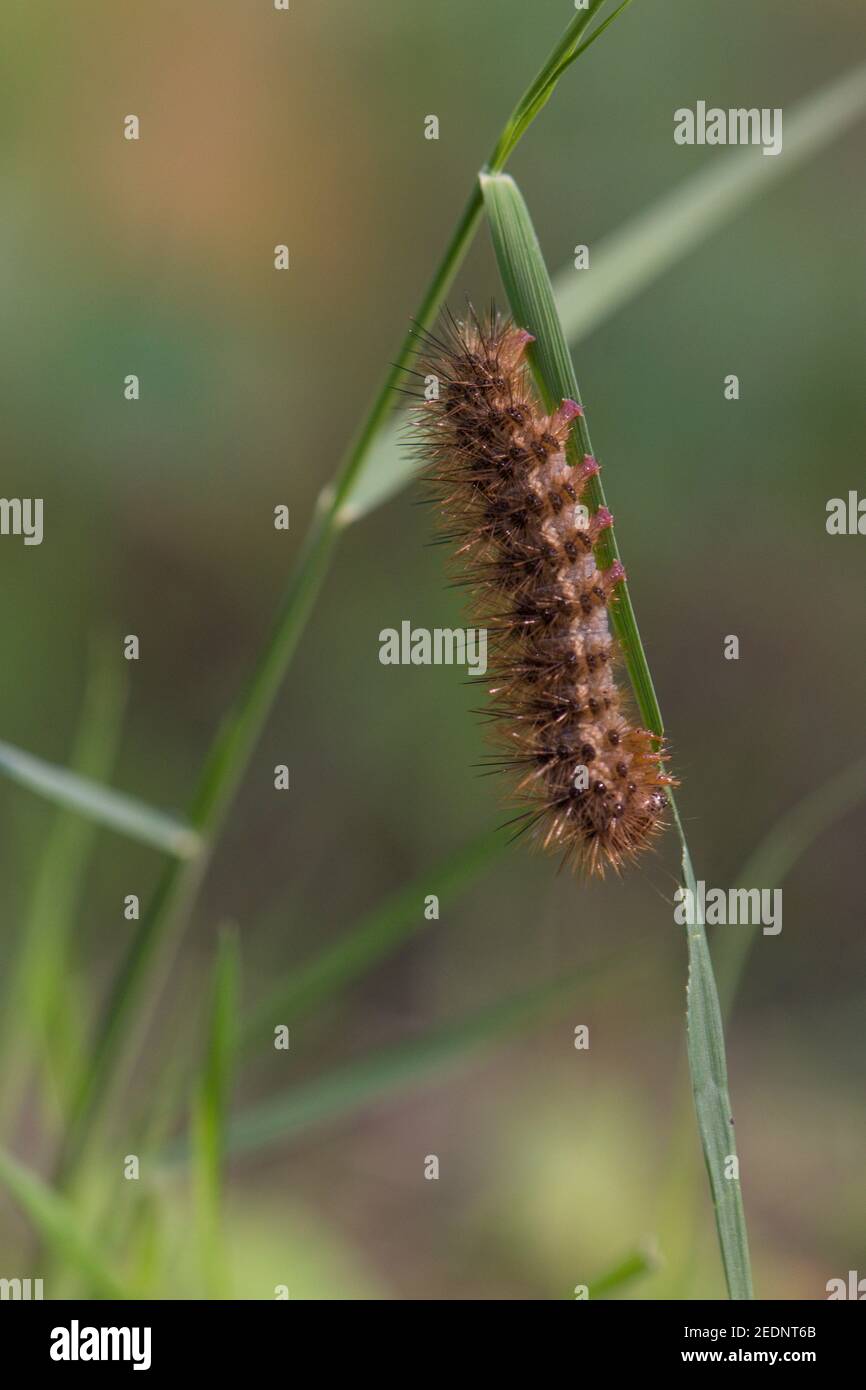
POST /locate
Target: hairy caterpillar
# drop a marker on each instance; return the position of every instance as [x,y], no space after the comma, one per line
[510,502]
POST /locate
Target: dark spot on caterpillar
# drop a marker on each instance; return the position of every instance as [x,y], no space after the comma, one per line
[570,549]
[621,770]
[613,737]
[599,788]
[587,752]
[555,500]
[586,602]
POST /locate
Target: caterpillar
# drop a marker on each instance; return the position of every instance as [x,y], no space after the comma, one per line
[509,502]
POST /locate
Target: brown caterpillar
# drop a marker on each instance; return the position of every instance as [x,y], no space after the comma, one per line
[510,502]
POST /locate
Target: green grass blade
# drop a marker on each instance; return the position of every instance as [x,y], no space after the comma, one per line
[636,1265]
[113,809]
[768,865]
[55,1221]
[379,933]
[159,930]
[527,286]
[539,92]
[709,1073]
[530,296]
[344,1091]
[210,1112]
[41,1004]
[632,258]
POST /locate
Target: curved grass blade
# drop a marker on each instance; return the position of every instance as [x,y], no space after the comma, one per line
[530,297]
[630,259]
[113,809]
[160,928]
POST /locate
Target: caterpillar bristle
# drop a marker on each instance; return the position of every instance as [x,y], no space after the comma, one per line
[510,506]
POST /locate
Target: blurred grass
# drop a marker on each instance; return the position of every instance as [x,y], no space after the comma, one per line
[98,803]
[209,1115]
[657,239]
[54,1218]
[160,928]
[344,1090]
[374,937]
[44,1007]
[638,1263]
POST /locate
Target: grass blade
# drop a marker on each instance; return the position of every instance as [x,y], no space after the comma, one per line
[344,1091]
[160,928]
[530,296]
[640,1262]
[41,1004]
[54,1219]
[375,936]
[113,809]
[529,292]
[632,258]
[769,864]
[709,1072]
[209,1113]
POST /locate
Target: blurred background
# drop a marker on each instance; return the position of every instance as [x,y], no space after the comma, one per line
[156,258]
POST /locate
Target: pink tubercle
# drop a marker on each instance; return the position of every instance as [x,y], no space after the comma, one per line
[615,574]
[588,467]
[564,414]
[602,519]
